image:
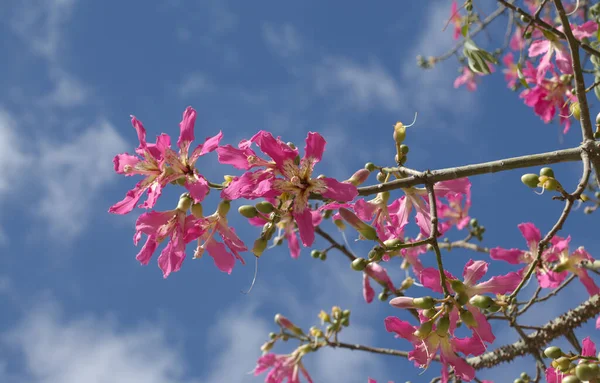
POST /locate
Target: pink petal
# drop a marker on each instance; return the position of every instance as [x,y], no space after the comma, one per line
[147,250]
[276,149]
[317,218]
[483,330]
[209,145]
[368,292]
[531,233]
[198,187]
[305,227]
[141,132]
[364,210]
[315,146]
[512,256]
[589,348]
[430,278]
[339,191]
[293,244]
[151,222]
[468,346]
[154,191]
[403,329]
[500,284]
[474,271]
[587,29]
[122,160]
[563,60]
[588,282]
[461,368]
[553,376]
[250,185]
[539,47]
[458,186]
[550,279]
[186,126]
[375,270]
[172,256]
[223,259]
[232,156]
[128,203]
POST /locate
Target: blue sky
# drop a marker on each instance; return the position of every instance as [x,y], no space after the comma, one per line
[77,307]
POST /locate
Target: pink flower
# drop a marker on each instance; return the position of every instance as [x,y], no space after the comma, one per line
[472,273]
[455,212]
[468,78]
[425,349]
[511,74]
[378,273]
[159,164]
[546,278]
[285,176]
[571,263]
[160,225]
[456,19]
[516,41]
[150,166]
[384,216]
[283,367]
[205,228]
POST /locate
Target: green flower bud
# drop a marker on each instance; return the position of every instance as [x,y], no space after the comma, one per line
[524,376]
[553,352]
[481,301]
[443,325]
[406,283]
[527,34]
[473,222]
[223,208]
[315,253]
[346,322]
[197,210]
[367,231]
[551,184]
[429,313]
[563,363]
[359,177]
[524,18]
[248,211]
[272,335]
[376,253]
[267,346]
[359,264]
[381,177]
[399,132]
[584,372]
[597,134]
[461,298]
[469,6]
[570,379]
[458,286]
[392,244]
[467,317]
[185,202]
[494,308]
[548,172]
[404,149]
[531,180]
[259,247]
[595,368]
[323,256]
[265,207]
[518,380]
[370,166]
[346,314]
[424,302]
[424,330]
[383,296]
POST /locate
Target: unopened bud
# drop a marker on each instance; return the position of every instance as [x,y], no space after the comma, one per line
[553,352]
[531,180]
[424,302]
[184,202]
[259,247]
[287,324]
[376,253]
[481,301]
[563,363]
[458,286]
[467,317]
[424,330]
[403,302]
[346,322]
[383,296]
[316,332]
[570,379]
[404,149]
[315,254]
[336,312]
[399,133]
[323,256]
[248,211]
[443,325]
[267,346]
[359,264]
[429,313]
[324,317]
[367,231]
[575,109]
[346,313]
[370,166]
[461,298]
[392,244]
[223,208]
[548,172]
[381,177]
[359,177]
[474,222]
[551,184]
[584,372]
[197,210]
[494,308]
[265,207]
[406,283]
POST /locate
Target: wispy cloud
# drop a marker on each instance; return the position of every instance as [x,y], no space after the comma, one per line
[283,39]
[73,173]
[89,349]
[12,154]
[195,83]
[360,86]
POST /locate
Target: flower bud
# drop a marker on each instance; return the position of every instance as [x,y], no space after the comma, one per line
[267,346]
[424,330]
[406,283]
[197,210]
[424,302]
[443,325]
[315,254]
[346,314]
[272,335]
[458,286]
[381,177]
[336,312]
[564,265]
[359,177]
[584,372]
[248,211]
[403,302]
[184,202]
[346,322]
[461,298]
[383,296]
[527,34]
[223,208]
[531,180]
[429,313]
[370,166]
[518,380]
[494,308]
[563,363]
[359,264]
[316,332]
[467,317]
[305,349]
[367,231]
[551,184]
[392,244]
[524,18]
[575,109]
[323,256]
[265,207]
[570,379]
[376,253]
[291,145]
[473,222]
[481,301]
[287,324]
[553,352]
[399,132]
[548,172]
[324,317]
[259,247]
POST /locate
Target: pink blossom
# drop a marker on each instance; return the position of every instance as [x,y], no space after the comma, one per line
[384,216]
[283,368]
[469,78]
[546,278]
[511,74]
[456,212]
[456,19]
[571,263]
[158,226]
[205,229]
[472,273]
[516,41]
[296,180]
[425,349]
[379,274]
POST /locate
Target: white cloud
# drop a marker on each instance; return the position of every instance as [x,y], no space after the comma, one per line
[73,173]
[91,350]
[195,83]
[362,86]
[12,156]
[284,40]
[68,90]
[40,22]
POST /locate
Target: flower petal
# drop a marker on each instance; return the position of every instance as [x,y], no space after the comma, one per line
[305,227]
[512,256]
[315,146]
[186,128]
[474,271]
[223,259]
[339,191]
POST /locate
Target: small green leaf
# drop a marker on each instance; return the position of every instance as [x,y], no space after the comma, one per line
[465,30]
[521,76]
